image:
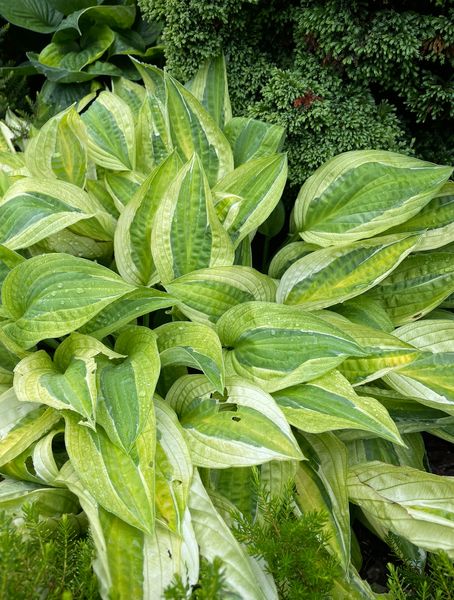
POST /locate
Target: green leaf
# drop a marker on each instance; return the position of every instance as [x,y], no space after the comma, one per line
[277,346]
[410,455]
[434,335]
[205,295]
[330,403]
[174,470]
[210,88]
[382,352]
[58,150]
[126,386]
[51,295]
[187,234]
[365,311]
[332,275]
[417,286]
[131,563]
[37,15]
[116,15]
[410,503]
[429,379]
[192,345]
[215,539]
[49,502]
[321,486]
[75,55]
[110,129]
[122,185]
[361,193]
[133,255]
[244,427]
[194,130]
[69,6]
[121,484]
[132,93]
[435,221]
[252,139]
[39,379]
[59,79]
[246,197]
[153,138]
[33,209]
[286,256]
[22,423]
[124,310]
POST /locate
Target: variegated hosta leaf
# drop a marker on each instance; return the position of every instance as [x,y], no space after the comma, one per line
[59,149]
[110,132]
[233,488]
[173,468]
[132,93]
[67,242]
[126,386]
[48,501]
[435,221]
[429,379]
[66,382]
[194,130]
[330,403]
[251,138]
[359,194]
[365,311]
[408,413]
[38,379]
[53,294]
[417,286]
[126,309]
[382,352]
[187,234]
[246,197]
[133,234]
[122,185]
[193,345]
[33,209]
[411,503]
[433,335]
[332,275]
[209,86]
[286,256]
[153,138]
[276,476]
[129,562]
[121,483]
[244,427]
[277,346]
[205,295]
[21,424]
[243,253]
[321,486]
[410,455]
[215,539]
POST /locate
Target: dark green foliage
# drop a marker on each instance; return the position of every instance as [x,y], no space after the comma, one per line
[294,548]
[339,75]
[409,582]
[13,90]
[45,559]
[211,584]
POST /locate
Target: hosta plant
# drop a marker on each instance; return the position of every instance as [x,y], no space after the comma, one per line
[87,40]
[146,366]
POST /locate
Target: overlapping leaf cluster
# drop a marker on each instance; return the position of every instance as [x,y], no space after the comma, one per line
[134,325]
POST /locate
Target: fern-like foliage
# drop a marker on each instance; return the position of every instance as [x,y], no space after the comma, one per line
[45,559]
[211,584]
[293,547]
[409,581]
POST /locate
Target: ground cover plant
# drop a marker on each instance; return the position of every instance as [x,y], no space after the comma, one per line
[74,45]
[148,370]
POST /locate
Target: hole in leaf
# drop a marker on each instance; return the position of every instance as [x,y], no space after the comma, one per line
[236,419]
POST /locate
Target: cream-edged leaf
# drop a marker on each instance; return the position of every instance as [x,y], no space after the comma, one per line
[359,194]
